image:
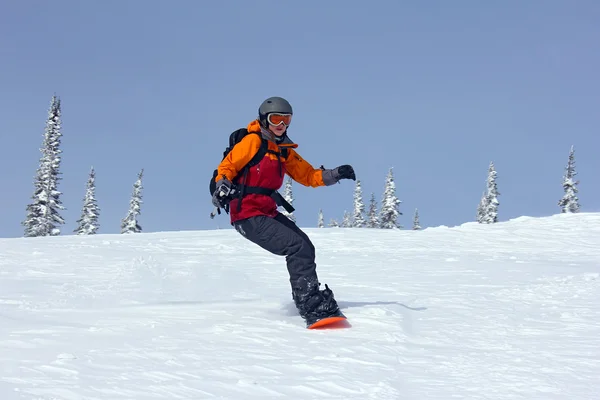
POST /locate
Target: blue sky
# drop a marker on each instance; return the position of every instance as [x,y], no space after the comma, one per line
[434,89]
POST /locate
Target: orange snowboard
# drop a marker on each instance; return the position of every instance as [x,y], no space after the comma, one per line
[330,323]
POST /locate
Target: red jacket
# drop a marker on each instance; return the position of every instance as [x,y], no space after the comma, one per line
[268,173]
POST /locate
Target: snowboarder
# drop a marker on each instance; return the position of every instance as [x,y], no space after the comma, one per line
[252,198]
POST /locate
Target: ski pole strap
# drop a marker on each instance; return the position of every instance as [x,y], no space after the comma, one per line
[274,194]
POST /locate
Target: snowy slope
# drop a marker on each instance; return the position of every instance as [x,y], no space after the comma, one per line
[508,311]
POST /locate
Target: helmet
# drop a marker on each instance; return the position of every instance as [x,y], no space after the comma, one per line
[273,105]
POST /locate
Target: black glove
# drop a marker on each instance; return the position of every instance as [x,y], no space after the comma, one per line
[332,176]
[223,193]
[344,172]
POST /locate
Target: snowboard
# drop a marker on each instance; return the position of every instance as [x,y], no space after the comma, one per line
[336,321]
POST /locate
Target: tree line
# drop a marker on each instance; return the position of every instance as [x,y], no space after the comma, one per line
[387,216]
[43,213]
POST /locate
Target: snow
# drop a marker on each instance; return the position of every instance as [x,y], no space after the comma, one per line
[502,311]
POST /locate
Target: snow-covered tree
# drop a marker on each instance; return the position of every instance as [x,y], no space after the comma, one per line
[481,208]
[570,203]
[416,223]
[333,223]
[489,204]
[88,222]
[129,224]
[43,216]
[388,215]
[289,197]
[372,216]
[321,222]
[347,221]
[358,218]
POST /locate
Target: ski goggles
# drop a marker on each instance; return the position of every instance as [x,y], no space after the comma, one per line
[278,119]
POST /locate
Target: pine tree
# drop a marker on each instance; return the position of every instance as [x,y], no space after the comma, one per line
[481,208]
[289,197]
[358,218]
[372,216]
[570,203]
[347,220]
[489,204]
[333,223]
[43,215]
[321,222]
[416,224]
[388,215]
[129,224]
[88,222]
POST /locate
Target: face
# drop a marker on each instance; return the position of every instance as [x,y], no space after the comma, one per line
[278,130]
[278,123]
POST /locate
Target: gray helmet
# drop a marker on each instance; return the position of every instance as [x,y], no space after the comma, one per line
[273,105]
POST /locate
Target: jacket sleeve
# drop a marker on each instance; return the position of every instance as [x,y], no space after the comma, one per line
[238,157]
[301,171]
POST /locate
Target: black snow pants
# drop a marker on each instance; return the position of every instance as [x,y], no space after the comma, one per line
[282,237]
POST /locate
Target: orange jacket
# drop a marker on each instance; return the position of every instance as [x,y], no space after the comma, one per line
[268,173]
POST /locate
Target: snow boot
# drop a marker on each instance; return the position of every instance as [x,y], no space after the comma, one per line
[313,304]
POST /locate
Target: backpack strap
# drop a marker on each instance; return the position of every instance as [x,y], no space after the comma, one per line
[274,194]
[262,151]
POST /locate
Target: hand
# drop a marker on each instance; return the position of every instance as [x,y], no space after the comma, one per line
[222,195]
[345,172]
[332,176]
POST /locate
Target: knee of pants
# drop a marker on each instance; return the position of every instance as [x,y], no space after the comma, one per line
[307,243]
[302,249]
[308,249]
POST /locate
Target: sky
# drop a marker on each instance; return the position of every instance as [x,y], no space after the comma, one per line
[435,90]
